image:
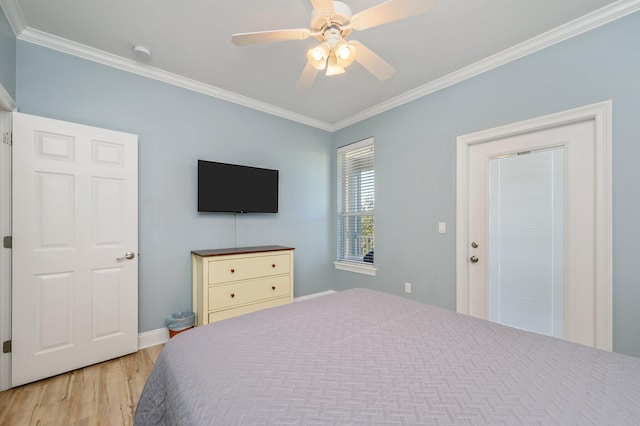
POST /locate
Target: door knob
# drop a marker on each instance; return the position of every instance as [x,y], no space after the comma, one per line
[474,259]
[128,256]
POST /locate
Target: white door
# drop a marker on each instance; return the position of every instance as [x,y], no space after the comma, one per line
[525,259]
[535,228]
[75,245]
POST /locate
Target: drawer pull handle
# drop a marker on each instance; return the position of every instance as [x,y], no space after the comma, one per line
[233,295]
[232,270]
[273,265]
[273,287]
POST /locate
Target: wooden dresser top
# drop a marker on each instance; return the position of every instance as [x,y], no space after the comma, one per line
[239,250]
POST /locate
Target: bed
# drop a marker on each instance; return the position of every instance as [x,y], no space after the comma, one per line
[365,357]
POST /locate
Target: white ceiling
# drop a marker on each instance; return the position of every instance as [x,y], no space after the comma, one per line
[192,39]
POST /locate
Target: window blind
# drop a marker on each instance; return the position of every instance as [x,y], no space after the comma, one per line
[356,202]
[526,241]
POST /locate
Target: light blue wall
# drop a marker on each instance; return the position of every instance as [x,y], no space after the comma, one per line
[416,162]
[176,127]
[415,166]
[7,56]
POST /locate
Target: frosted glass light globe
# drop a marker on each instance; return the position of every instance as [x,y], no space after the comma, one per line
[316,55]
[344,53]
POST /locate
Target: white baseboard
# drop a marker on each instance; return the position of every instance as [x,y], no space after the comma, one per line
[161,335]
[312,296]
[153,337]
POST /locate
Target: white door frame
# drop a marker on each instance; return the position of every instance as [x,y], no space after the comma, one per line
[7,104]
[601,114]
[5,230]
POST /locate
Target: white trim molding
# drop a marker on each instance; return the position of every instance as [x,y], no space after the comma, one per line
[358,268]
[86,52]
[6,101]
[313,295]
[564,32]
[578,26]
[5,254]
[160,336]
[14,15]
[601,115]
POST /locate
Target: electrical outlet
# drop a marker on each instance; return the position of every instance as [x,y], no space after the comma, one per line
[407,287]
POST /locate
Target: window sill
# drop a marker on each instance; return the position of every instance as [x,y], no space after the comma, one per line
[359,268]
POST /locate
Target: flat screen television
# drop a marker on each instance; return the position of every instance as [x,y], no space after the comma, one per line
[234,188]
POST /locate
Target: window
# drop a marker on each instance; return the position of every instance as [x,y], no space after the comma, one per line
[356,201]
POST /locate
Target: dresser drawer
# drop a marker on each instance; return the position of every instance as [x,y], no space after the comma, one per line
[229,295]
[227,270]
[246,309]
[257,277]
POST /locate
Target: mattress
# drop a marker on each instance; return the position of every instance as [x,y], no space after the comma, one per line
[365,357]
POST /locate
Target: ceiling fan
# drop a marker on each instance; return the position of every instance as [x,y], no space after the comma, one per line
[331,23]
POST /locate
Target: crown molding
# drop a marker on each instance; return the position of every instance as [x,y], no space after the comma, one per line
[6,101]
[83,51]
[564,32]
[578,26]
[14,15]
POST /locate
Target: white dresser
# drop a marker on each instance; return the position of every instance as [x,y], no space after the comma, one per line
[236,281]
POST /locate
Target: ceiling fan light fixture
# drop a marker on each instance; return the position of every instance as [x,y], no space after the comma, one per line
[332,66]
[345,53]
[317,56]
[332,21]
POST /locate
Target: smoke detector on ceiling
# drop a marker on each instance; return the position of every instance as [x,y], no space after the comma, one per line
[141,52]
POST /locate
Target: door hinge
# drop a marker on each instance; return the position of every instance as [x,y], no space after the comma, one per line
[6,347]
[7,242]
[7,138]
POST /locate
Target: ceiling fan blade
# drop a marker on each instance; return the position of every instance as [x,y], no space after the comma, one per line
[323,7]
[269,36]
[307,77]
[372,62]
[389,11]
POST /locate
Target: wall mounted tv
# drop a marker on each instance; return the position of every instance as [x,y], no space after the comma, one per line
[234,188]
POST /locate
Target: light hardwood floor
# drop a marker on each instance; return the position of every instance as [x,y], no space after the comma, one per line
[101,394]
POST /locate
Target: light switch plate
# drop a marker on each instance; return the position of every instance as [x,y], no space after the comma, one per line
[442,227]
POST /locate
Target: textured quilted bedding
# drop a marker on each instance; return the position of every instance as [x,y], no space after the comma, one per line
[365,357]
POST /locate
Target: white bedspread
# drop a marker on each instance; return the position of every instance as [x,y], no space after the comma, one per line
[365,357]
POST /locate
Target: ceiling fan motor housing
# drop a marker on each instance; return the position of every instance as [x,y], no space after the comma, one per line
[339,18]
